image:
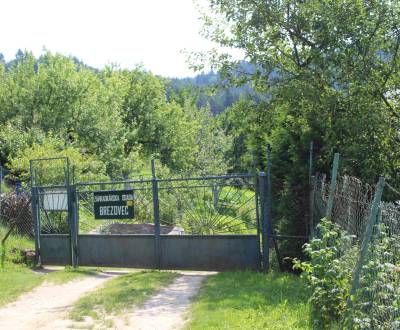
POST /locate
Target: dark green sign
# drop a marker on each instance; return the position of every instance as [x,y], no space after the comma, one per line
[113,204]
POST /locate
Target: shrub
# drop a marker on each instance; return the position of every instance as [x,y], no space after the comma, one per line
[329,272]
[86,167]
[376,304]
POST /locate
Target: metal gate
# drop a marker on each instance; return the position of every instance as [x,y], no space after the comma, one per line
[196,223]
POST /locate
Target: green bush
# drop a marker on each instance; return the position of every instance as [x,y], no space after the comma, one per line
[376,304]
[232,212]
[85,167]
[10,251]
[329,272]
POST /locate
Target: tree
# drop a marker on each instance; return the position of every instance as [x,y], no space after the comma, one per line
[332,70]
[86,168]
[56,96]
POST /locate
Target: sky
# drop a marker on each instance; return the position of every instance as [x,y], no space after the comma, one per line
[100,32]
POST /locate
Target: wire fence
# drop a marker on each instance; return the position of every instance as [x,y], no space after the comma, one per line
[15,218]
[370,254]
[194,206]
[142,221]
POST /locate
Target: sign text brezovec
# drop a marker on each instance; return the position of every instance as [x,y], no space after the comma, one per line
[113,204]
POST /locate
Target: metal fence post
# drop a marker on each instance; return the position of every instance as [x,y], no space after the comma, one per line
[269,189]
[264,222]
[310,161]
[268,213]
[310,178]
[256,196]
[270,228]
[75,224]
[1,187]
[313,183]
[156,214]
[332,189]
[72,219]
[1,180]
[372,220]
[36,222]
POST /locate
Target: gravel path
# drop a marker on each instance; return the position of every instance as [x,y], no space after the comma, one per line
[165,310]
[46,306]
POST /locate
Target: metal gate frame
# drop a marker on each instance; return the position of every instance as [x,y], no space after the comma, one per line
[195,252]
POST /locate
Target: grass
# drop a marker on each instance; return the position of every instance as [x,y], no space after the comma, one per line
[248,300]
[69,274]
[14,245]
[17,279]
[120,293]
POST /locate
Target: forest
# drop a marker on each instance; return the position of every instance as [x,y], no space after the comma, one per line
[321,71]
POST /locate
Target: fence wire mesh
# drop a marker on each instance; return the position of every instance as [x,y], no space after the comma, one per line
[194,206]
[15,213]
[141,223]
[351,203]
[15,208]
[15,223]
[209,206]
[374,302]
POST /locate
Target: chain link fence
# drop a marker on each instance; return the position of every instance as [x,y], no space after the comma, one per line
[370,252]
[15,219]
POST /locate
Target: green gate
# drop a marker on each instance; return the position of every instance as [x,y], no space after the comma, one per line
[194,223]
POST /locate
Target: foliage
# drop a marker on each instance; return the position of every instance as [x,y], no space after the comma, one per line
[120,118]
[208,210]
[376,304]
[13,246]
[331,69]
[250,300]
[13,139]
[206,89]
[329,273]
[15,280]
[85,167]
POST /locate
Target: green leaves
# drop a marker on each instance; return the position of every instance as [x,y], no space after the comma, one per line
[329,273]
[120,118]
[86,168]
[376,304]
[331,69]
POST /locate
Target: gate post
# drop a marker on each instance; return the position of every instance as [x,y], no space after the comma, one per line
[36,222]
[257,202]
[264,222]
[72,220]
[156,214]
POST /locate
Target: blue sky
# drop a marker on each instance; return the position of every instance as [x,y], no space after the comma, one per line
[100,32]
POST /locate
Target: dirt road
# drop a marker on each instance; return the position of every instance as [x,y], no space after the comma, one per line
[47,305]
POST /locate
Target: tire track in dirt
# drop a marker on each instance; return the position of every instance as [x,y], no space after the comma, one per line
[166,309]
[46,305]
